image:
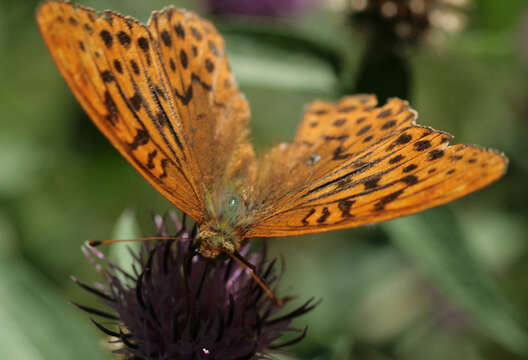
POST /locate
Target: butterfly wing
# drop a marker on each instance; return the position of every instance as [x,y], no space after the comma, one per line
[119,72]
[353,163]
[215,120]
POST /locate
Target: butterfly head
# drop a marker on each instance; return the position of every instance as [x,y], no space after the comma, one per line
[213,242]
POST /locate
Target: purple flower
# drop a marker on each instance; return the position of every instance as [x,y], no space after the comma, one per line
[271,8]
[176,305]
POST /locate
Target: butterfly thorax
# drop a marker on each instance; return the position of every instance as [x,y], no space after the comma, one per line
[223,230]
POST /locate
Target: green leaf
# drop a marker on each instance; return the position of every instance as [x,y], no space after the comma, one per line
[36,323]
[126,227]
[434,242]
[274,60]
[24,156]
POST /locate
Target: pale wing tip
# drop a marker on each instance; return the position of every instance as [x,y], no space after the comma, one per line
[502,159]
[505,161]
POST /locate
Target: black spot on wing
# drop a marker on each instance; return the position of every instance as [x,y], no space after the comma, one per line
[183,59]
[196,33]
[136,100]
[337,138]
[339,122]
[388,124]
[402,139]
[179,30]
[384,114]
[344,206]
[107,76]
[410,168]
[166,38]
[142,137]
[209,65]
[143,44]
[111,108]
[371,182]
[324,215]
[164,163]
[422,145]
[88,28]
[134,66]
[380,205]
[151,156]
[339,154]
[396,159]
[118,66]
[363,130]
[435,154]
[186,97]
[409,180]
[124,39]
[107,38]
[305,219]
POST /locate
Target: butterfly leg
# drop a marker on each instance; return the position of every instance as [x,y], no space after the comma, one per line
[252,271]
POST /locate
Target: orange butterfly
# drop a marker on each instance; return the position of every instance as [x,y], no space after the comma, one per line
[163,94]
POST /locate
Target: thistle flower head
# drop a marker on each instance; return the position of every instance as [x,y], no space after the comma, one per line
[175,305]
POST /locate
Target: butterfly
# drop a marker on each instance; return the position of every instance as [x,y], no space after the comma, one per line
[164,96]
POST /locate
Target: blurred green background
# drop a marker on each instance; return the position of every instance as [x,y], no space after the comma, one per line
[445,284]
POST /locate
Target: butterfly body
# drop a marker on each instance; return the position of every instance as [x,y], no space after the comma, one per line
[226,222]
[164,96]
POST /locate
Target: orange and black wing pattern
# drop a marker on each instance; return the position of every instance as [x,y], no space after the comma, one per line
[353,163]
[162,94]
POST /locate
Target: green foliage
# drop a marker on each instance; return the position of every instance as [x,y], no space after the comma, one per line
[37,323]
[433,240]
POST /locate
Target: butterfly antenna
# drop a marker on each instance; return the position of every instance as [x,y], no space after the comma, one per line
[252,271]
[95,243]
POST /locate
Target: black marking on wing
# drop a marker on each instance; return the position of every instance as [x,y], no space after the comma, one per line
[324,216]
[305,219]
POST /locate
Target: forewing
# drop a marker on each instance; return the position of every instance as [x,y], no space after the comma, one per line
[353,164]
[116,69]
[214,114]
